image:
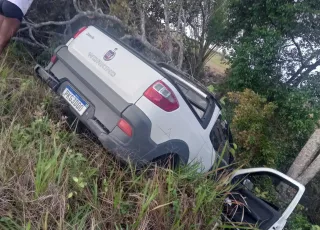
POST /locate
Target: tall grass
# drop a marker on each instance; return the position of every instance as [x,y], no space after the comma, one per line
[52,178]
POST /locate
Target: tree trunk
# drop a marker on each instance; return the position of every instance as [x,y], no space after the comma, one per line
[182,31]
[306,156]
[167,25]
[142,20]
[305,166]
[310,172]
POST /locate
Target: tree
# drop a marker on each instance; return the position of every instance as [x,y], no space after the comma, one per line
[307,163]
[171,31]
[276,54]
[208,31]
[275,41]
[278,42]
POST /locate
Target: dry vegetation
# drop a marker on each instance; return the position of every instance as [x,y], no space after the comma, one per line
[53,178]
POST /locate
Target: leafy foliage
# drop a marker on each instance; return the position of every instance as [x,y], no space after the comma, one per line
[270,133]
[299,221]
[251,128]
[254,63]
[277,54]
[282,42]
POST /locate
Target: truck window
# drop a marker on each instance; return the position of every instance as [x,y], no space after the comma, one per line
[198,102]
[219,135]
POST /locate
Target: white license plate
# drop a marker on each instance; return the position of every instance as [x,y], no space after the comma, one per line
[75,100]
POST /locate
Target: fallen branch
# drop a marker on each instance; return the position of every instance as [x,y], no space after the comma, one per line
[35,40]
[147,44]
[88,14]
[26,41]
[97,13]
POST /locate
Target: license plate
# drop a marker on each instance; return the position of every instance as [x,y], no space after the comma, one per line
[75,100]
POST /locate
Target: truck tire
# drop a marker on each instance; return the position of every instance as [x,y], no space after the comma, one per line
[170,160]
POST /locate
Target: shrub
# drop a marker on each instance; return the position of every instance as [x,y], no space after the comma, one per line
[251,127]
[298,221]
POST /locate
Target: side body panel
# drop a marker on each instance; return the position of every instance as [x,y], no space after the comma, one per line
[208,149]
[180,124]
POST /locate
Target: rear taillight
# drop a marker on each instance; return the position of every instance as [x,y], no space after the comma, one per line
[80,31]
[53,59]
[161,95]
[125,127]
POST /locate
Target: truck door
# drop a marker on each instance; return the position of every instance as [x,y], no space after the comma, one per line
[262,198]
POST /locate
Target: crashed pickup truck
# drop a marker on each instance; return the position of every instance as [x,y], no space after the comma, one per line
[148,112]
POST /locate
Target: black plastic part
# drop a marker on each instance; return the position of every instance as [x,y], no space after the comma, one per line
[46,77]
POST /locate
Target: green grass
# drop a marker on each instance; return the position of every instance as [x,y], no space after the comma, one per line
[218,64]
[53,178]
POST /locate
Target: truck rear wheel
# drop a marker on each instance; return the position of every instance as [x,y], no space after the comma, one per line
[170,161]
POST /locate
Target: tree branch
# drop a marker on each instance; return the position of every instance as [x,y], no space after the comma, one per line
[35,40]
[298,48]
[300,78]
[25,41]
[305,66]
[74,19]
[31,27]
[147,44]
[209,53]
[68,30]
[181,28]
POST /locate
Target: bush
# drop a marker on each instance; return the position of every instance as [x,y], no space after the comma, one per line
[251,128]
[271,133]
[298,221]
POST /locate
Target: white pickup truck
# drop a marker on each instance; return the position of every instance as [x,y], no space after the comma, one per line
[143,111]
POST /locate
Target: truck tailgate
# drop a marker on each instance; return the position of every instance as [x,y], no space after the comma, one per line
[104,104]
[116,66]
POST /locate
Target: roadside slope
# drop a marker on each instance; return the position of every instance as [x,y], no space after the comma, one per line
[52,178]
